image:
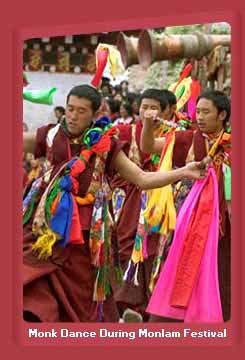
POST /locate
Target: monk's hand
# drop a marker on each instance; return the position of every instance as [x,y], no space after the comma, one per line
[151,118]
[194,170]
[204,165]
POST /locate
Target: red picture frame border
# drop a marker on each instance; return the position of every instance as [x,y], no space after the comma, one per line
[21,26]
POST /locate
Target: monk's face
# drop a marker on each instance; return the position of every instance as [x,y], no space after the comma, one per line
[79,114]
[153,107]
[209,119]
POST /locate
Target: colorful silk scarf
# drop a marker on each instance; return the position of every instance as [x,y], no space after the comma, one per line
[157,215]
[160,215]
[56,219]
[188,286]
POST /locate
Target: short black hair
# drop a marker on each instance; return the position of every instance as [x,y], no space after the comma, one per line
[117,88]
[220,101]
[123,82]
[107,85]
[60,109]
[114,105]
[172,100]
[105,80]
[87,92]
[157,95]
[128,107]
[131,97]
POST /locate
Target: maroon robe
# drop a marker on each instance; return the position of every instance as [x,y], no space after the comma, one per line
[130,295]
[61,288]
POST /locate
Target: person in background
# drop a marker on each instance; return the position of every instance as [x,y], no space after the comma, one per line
[174,118]
[172,105]
[105,89]
[35,171]
[118,97]
[114,106]
[115,90]
[136,106]
[59,112]
[124,89]
[126,113]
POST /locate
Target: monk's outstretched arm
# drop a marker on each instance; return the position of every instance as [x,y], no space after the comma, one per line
[151,180]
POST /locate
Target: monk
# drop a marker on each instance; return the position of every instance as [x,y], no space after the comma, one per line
[67,249]
[175,297]
[129,195]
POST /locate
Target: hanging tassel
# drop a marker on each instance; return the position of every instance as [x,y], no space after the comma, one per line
[137,254]
[136,282]
[155,271]
[44,244]
[95,297]
[140,246]
[128,273]
[158,259]
[100,312]
[145,253]
[107,285]
[118,275]
[157,266]
[138,251]
[99,288]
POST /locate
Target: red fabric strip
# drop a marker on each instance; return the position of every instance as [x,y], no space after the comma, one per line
[102,56]
[104,145]
[193,248]
[77,168]
[76,235]
[166,144]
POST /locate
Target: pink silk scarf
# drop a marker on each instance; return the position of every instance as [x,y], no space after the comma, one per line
[204,304]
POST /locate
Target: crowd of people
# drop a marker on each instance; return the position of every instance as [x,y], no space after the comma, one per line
[126,200]
[121,105]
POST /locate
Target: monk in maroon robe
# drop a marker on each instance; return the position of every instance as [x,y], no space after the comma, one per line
[61,287]
[212,114]
[128,295]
